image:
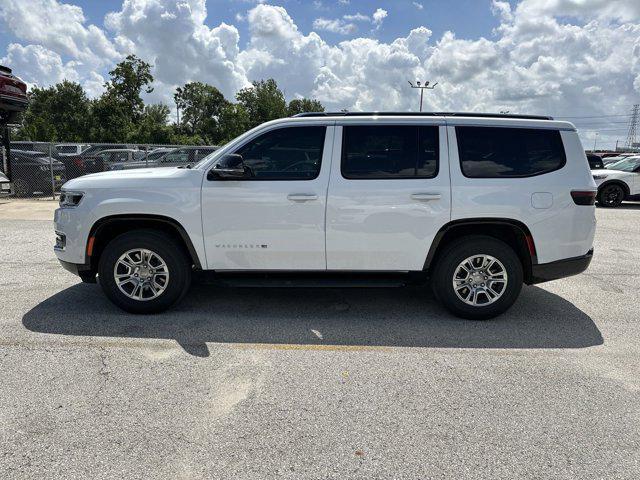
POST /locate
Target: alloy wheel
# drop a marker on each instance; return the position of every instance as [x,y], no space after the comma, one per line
[141,274]
[480,280]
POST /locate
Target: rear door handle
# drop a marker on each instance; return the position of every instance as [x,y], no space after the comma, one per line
[425,197]
[302,197]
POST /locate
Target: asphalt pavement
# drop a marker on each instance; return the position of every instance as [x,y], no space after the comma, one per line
[317,383]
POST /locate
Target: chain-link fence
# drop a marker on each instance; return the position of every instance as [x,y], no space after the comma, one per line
[41,168]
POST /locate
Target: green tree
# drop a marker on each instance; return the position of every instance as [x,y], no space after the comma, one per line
[233,121]
[153,126]
[120,108]
[57,113]
[200,105]
[263,101]
[303,105]
[128,79]
[111,120]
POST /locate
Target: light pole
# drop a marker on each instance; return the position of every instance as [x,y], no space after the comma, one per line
[595,141]
[422,89]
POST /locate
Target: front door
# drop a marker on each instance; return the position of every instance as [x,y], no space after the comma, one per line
[389,195]
[273,218]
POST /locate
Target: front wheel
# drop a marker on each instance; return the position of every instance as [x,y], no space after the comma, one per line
[477,277]
[144,271]
[611,196]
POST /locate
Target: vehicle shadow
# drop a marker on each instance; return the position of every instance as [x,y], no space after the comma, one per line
[391,317]
[626,205]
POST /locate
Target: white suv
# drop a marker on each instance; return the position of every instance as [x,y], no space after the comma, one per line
[475,204]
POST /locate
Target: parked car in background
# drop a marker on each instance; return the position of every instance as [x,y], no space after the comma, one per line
[174,157]
[13,96]
[618,181]
[116,159]
[595,161]
[68,149]
[612,159]
[185,155]
[144,159]
[87,161]
[32,173]
[6,187]
[41,147]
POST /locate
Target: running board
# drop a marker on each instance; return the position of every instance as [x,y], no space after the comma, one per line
[311,280]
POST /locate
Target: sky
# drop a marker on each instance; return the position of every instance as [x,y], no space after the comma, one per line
[572,59]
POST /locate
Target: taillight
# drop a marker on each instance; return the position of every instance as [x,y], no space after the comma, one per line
[583,197]
[78,162]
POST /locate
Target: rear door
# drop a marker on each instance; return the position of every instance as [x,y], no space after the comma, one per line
[389,194]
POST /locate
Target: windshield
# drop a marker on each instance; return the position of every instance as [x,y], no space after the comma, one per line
[627,165]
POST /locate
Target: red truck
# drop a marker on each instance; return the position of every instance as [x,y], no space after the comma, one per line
[13,96]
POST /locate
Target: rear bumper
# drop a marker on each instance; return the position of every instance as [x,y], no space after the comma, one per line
[545,272]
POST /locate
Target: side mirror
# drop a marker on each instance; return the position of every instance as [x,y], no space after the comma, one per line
[229,166]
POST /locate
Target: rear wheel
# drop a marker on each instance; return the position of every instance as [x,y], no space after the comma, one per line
[144,271]
[611,196]
[477,277]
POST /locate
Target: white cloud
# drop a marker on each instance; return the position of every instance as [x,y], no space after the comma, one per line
[334,26]
[379,15]
[58,26]
[37,65]
[502,9]
[563,57]
[172,36]
[418,5]
[357,17]
[623,10]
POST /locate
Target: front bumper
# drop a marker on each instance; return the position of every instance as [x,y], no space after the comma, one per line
[83,271]
[545,272]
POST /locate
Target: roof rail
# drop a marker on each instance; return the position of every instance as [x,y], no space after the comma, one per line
[423,114]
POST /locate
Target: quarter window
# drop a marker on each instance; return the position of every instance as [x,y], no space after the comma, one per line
[293,153]
[389,151]
[496,152]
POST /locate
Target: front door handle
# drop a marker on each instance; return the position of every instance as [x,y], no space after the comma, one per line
[425,197]
[302,197]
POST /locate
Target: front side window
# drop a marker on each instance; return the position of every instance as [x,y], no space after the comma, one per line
[293,153]
[496,152]
[389,151]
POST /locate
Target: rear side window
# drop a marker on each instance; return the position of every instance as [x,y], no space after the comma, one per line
[389,151]
[496,152]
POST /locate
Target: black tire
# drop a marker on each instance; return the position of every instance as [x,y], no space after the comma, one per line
[611,196]
[167,248]
[463,248]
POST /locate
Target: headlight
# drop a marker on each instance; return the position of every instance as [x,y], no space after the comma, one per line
[599,177]
[70,199]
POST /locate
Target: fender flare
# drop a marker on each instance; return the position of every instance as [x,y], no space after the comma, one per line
[103,222]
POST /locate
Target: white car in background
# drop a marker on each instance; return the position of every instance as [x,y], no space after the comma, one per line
[618,181]
[6,187]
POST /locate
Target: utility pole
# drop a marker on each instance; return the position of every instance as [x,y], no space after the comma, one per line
[422,89]
[632,137]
